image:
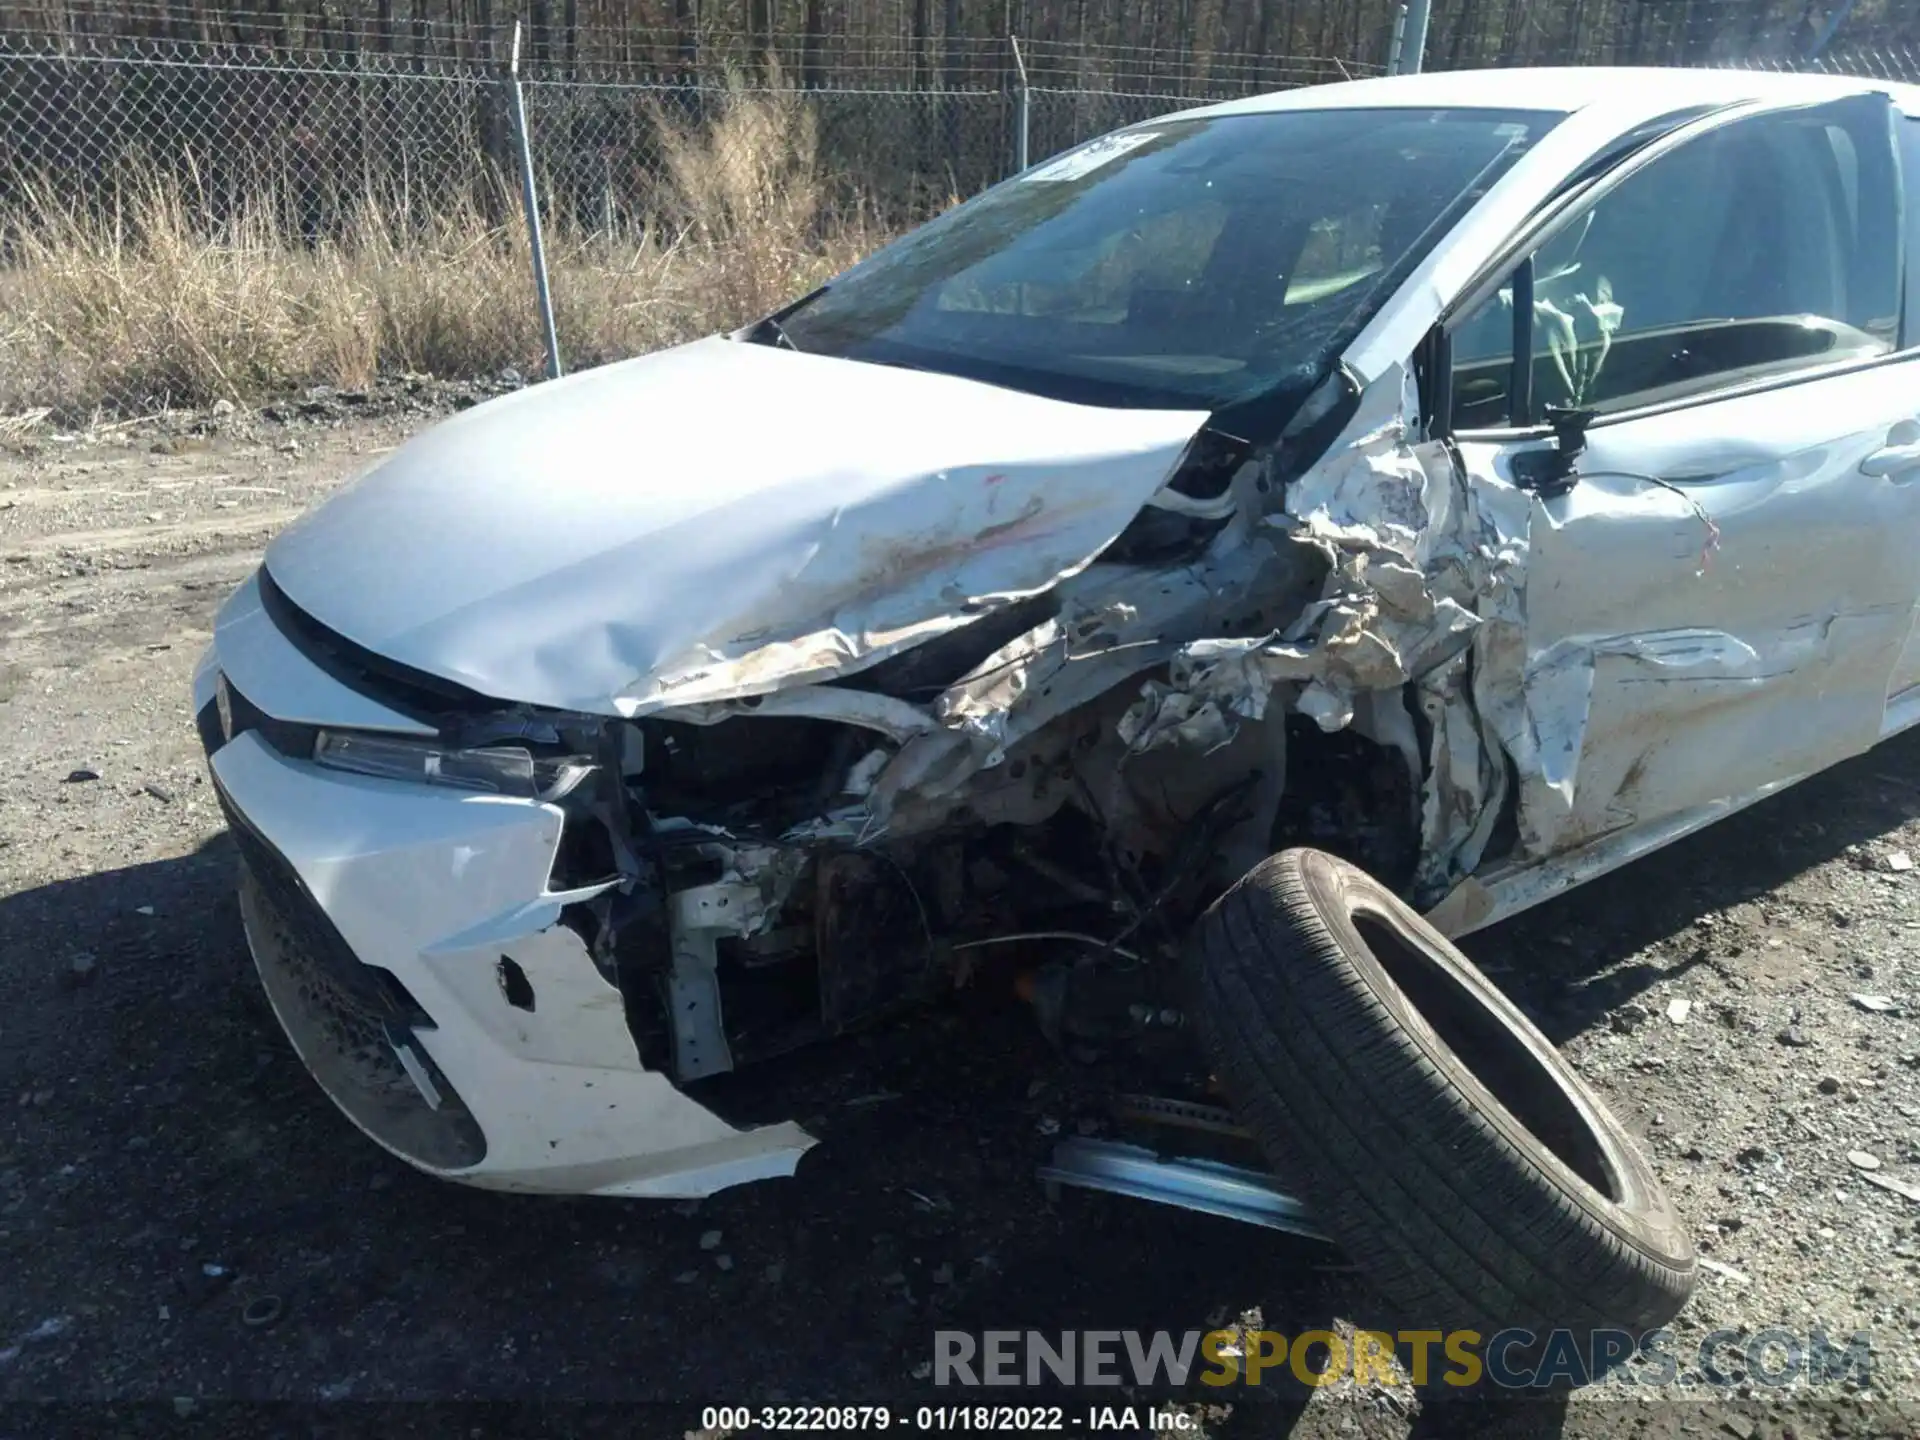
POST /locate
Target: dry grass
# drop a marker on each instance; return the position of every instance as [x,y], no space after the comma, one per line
[155,304]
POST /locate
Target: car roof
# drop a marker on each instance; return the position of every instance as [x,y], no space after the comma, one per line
[1564,90]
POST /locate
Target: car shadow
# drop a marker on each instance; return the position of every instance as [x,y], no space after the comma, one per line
[167,1158]
[181,1176]
[1573,961]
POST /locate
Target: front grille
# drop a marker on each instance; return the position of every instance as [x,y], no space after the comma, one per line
[347,1019]
[293,740]
[414,693]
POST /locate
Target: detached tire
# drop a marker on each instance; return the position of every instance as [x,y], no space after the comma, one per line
[1437,1135]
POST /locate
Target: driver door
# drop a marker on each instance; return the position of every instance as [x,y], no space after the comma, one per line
[1716,602]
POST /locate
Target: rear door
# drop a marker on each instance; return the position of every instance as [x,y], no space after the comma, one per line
[1719,600]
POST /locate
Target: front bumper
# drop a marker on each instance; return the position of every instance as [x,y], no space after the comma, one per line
[408,942]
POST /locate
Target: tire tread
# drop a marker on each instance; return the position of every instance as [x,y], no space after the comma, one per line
[1454,1223]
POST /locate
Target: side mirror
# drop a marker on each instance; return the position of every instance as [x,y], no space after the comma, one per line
[1550,472]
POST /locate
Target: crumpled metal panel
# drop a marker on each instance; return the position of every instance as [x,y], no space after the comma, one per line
[1380,512]
[715,521]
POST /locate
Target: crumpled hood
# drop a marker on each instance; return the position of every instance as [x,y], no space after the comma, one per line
[712,521]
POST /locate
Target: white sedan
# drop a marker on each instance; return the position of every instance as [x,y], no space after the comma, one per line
[1487,478]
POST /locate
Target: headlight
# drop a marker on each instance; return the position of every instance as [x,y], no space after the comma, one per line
[495,770]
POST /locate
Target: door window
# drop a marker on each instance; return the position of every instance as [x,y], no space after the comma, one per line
[1767,246]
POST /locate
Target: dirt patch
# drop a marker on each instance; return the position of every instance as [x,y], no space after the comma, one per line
[169,1176]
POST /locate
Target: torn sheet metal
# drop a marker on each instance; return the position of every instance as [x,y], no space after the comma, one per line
[1382,567]
[898,720]
[1397,598]
[714,521]
[1115,622]
[1400,591]
[1380,570]
[1424,588]
[1466,785]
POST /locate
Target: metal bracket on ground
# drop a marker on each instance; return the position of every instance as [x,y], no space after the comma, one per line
[1203,1185]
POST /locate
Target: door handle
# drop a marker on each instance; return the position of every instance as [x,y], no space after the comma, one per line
[1899,455]
[1893,461]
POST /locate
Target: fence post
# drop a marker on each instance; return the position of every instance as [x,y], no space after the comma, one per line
[1399,40]
[1829,30]
[530,200]
[1413,54]
[1022,106]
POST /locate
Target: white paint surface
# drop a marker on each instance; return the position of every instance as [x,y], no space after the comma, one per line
[436,886]
[717,520]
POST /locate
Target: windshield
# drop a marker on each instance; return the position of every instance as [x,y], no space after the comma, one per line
[1194,263]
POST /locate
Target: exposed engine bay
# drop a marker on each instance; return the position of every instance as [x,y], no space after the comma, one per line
[743,941]
[1074,774]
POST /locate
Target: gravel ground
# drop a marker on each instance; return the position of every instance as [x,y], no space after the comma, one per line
[1744,999]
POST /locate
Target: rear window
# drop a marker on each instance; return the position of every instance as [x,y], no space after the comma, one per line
[1192,263]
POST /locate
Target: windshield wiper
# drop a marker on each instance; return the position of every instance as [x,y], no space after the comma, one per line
[771,331]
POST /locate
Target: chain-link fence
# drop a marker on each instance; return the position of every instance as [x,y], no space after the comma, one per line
[368,159]
[1896,62]
[246,116]
[598,146]
[345,196]
[238,123]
